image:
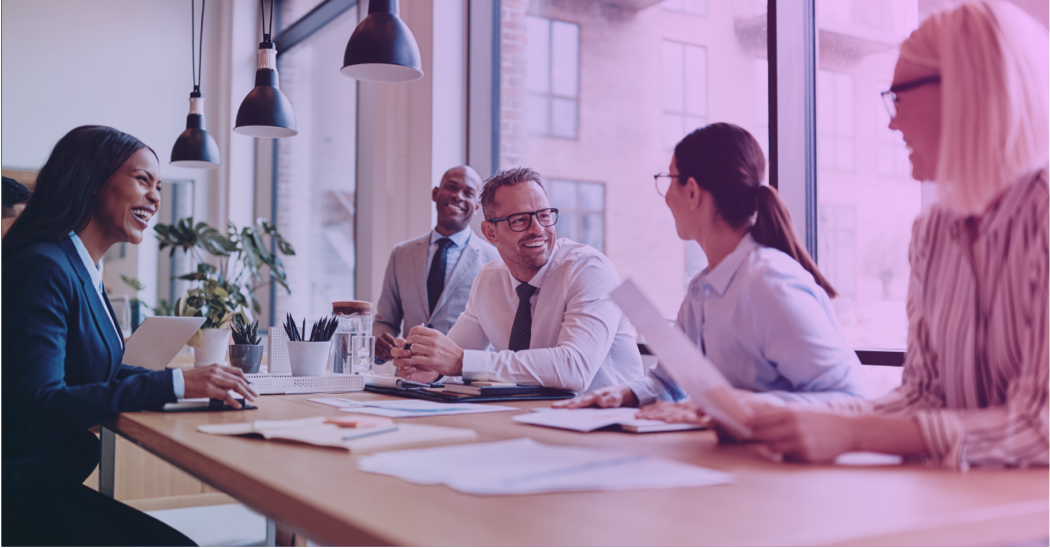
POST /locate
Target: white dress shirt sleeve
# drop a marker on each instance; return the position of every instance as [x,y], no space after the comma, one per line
[588,327]
[178,383]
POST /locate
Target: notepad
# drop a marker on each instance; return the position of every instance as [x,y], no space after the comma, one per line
[589,420]
[315,431]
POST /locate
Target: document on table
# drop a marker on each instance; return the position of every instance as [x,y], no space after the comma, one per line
[524,466]
[409,408]
[316,431]
[588,420]
[693,372]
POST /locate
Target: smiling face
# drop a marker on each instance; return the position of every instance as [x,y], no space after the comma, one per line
[919,120]
[129,199]
[458,197]
[525,253]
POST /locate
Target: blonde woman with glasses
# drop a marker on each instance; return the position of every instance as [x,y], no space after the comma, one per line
[969,96]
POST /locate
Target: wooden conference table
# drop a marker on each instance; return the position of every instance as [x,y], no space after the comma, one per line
[320,493]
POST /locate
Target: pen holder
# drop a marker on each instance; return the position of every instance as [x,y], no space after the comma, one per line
[308,359]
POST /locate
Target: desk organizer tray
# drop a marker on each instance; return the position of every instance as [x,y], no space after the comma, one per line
[287,384]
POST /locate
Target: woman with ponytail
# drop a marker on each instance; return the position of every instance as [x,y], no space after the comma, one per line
[761,311]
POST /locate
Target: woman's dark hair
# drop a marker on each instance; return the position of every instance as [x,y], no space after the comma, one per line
[64,197]
[726,161]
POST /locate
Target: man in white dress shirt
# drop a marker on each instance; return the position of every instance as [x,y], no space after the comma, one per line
[428,278]
[544,307]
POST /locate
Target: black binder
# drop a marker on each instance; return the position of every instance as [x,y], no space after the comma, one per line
[489,394]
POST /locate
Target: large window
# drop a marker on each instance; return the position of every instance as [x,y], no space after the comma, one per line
[638,77]
[315,183]
[866,197]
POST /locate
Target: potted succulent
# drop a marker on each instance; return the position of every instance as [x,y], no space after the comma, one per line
[245,352]
[226,289]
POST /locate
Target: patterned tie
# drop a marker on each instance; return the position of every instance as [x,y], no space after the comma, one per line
[436,278]
[521,332]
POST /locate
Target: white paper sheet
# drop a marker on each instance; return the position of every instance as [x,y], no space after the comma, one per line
[590,419]
[689,368]
[410,408]
[523,466]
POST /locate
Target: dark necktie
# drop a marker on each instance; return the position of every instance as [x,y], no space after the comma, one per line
[436,278]
[521,332]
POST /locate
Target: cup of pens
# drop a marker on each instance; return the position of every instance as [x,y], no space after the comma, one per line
[308,356]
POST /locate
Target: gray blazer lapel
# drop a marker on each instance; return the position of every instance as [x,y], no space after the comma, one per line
[466,263]
[418,266]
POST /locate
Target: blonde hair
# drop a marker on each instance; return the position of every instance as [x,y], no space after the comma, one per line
[992,59]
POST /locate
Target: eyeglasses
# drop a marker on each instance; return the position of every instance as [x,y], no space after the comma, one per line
[663,182]
[889,98]
[520,222]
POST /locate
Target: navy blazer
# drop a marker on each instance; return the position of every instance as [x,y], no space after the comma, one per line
[62,370]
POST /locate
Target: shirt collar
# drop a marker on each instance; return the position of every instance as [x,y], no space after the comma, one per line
[459,239]
[722,275]
[94,270]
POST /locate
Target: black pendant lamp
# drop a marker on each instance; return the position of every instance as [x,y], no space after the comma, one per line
[382,48]
[265,111]
[195,148]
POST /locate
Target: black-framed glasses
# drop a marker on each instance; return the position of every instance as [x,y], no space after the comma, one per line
[520,222]
[663,182]
[889,97]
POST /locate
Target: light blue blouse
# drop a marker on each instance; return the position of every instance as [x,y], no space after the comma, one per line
[768,327]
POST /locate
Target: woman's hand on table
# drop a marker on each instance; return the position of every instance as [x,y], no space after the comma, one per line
[216,381]
[610,396]
[674,412]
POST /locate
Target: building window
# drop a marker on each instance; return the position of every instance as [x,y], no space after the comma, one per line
[835,120]
[684,90]
[837,248]
[692,7]
[581,211]
[552,77]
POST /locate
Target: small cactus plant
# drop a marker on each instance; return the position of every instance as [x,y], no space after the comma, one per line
[245,333]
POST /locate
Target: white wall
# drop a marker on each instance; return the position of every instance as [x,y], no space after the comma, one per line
[126,64]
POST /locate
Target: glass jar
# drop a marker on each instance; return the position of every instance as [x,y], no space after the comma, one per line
[355,320]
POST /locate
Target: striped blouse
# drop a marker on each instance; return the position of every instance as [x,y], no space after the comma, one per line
[975,374]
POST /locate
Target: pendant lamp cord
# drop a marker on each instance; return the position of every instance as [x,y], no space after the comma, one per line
[200,45]
[267,32]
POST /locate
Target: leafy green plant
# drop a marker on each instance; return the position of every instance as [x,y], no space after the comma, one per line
[225,289]
[244,333]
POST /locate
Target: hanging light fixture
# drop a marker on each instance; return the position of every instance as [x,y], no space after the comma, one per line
[265,111]
[195,148]
[382,47]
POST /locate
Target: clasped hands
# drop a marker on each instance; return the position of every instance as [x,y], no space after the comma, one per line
[430,355]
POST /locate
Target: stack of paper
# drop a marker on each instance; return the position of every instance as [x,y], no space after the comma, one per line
[590,419]
[409,408]
[523,466]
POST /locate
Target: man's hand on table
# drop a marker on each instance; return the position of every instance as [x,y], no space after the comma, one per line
[431,355]
[215,381]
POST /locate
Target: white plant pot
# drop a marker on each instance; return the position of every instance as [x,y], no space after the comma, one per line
[212,348]
[308,359]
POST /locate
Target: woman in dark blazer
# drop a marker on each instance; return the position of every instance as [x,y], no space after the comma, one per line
[62,349]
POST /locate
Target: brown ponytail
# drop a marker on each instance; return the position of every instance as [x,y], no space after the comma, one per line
[773,228]
[727,161]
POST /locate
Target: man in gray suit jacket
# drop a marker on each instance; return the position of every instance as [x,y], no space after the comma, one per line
[428,279]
